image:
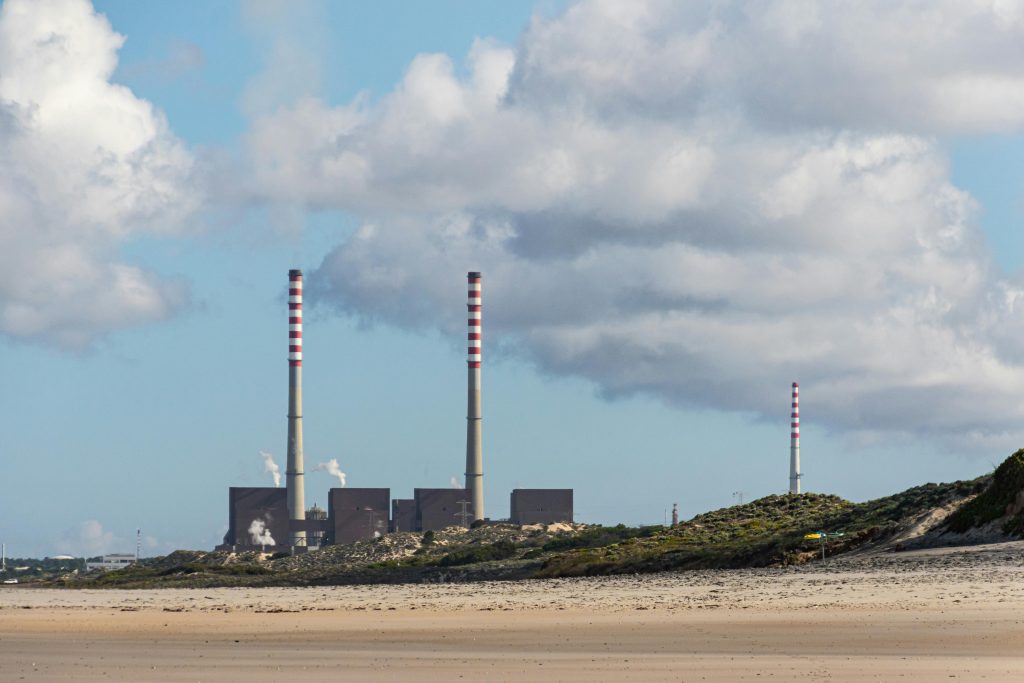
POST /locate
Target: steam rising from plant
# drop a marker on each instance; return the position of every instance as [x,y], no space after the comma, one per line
[332,468]
[454,481]
[260,534]
[270,466]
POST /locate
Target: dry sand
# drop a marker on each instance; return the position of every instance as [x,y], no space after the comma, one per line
[926,616]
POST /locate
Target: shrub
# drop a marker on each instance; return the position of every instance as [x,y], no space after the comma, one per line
[599,537]
[499,550]
[993,502]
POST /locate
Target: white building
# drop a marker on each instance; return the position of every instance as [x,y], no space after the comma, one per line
[116,561]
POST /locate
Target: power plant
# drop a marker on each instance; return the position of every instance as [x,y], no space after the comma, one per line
[265,518]
[794,442]
[260,518]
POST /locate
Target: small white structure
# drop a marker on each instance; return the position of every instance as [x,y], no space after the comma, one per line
[116,561]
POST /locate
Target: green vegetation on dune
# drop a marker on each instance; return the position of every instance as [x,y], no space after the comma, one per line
[1001,498]
[599,536]
[500,550]
[191,572]
[767,531]
[757,533]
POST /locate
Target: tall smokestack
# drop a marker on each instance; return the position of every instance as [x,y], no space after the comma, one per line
[794,443]
[474,453]
[294,477]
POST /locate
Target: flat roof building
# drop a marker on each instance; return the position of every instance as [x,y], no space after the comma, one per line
[114,561]
[257,517]
[357,514]
[441,508]
[541,506]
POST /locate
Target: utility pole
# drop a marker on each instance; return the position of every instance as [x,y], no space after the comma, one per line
[138,545]
[465,514]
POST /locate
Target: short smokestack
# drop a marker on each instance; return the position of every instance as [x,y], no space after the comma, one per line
[474,452]
[293,473]
[794,442]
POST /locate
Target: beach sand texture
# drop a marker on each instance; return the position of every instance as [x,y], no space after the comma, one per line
[926,616]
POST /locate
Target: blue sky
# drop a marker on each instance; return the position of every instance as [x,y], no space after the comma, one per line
[143,415]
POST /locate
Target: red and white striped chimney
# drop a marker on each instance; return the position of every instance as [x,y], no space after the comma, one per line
[474,452]
[295,318]
[794,442]
[294,472]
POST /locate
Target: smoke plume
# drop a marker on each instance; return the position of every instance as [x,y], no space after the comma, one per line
[260,534]
[332,468]
[270,466]
[454,481]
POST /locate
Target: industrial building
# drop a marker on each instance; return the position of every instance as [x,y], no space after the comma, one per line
[257,517]
[541,506]
[263,518]
[357,514]
[258,520]
[316,526]
[403,514]
[441,508]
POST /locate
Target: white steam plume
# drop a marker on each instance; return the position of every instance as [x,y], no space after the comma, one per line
[454,481]
[260,534]
[270,466]
[332,468]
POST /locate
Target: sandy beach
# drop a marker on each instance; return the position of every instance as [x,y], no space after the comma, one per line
[925,615]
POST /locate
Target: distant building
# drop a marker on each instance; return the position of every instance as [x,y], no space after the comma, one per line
[357,514]
[541,506]
[441,508]
[403,514]
[108,562]
[257,518]
[316,526]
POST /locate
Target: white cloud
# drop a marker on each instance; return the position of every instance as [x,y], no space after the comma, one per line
[702,202]
[293,36]
[936,65]
[90,539]
[84,166]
